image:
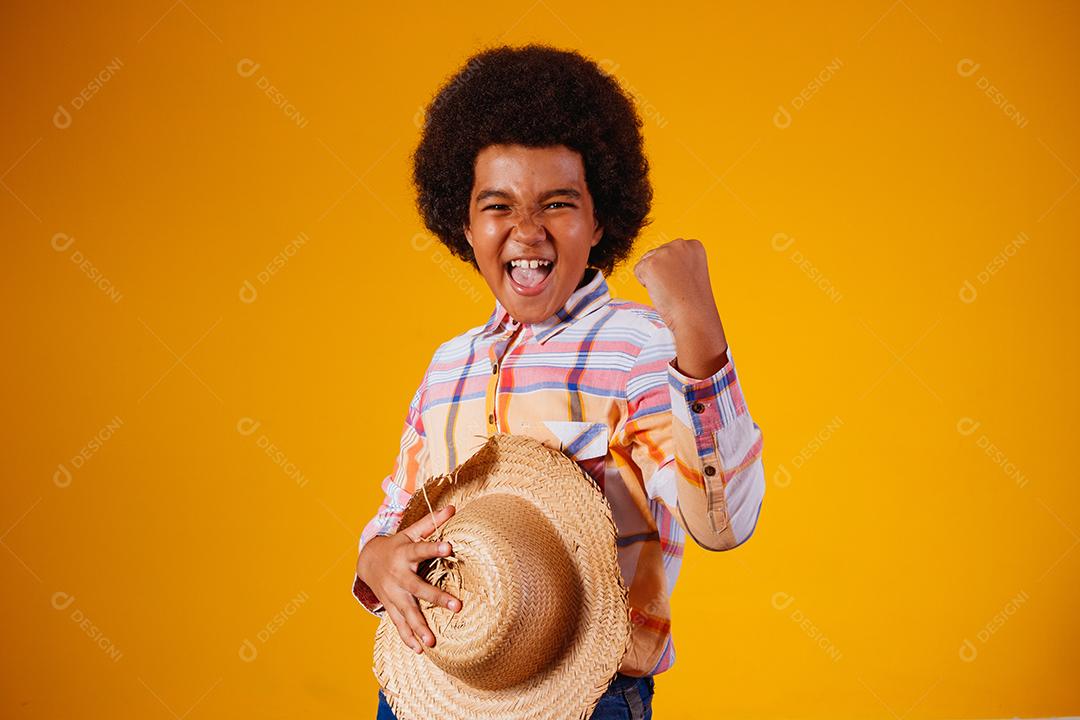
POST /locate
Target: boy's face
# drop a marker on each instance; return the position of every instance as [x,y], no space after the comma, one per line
[531,204]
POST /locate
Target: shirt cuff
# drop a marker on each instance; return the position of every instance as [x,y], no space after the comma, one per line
[707,413]
[363,592]
[366,596]
[713,403]
[686,379]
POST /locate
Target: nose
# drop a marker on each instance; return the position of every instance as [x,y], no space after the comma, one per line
[527,231]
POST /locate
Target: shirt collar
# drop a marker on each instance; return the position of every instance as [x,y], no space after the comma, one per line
[591,296]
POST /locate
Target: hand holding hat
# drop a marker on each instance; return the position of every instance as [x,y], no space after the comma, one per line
[388,565]
[545,619]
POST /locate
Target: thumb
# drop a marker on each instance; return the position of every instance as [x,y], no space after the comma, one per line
[641,271]
[643,267]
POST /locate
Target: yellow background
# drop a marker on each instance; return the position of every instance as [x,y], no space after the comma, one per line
[916,553]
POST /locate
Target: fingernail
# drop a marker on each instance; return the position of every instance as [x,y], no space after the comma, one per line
[444,548]
[453,604]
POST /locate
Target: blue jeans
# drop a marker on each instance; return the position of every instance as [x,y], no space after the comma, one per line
[627,698]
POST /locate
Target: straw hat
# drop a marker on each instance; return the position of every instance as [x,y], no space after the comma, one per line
[545,620]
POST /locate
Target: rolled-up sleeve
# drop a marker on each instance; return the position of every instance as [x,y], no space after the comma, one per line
[699,449]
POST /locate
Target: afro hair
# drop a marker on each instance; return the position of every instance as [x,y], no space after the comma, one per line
[537,96]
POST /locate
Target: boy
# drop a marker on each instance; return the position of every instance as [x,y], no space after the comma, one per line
[531,167]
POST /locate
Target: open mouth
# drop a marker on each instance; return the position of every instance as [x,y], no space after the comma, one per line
[530,276]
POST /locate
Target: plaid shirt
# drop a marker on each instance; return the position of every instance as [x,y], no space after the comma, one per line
[674,455]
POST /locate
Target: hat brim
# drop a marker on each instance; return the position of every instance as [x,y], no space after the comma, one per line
[418,689]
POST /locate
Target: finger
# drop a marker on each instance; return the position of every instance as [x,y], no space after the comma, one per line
[426,525]
[699,250]
[403,628]
[421,550]
[435,596]
[640,270]
[425,550]
[416,621]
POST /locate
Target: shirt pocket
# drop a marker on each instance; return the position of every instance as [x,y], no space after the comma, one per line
[586,443]
[579,440]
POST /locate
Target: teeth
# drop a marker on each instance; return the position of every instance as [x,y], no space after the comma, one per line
[530,263]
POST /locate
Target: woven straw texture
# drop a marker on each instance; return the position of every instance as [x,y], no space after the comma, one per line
[545,621]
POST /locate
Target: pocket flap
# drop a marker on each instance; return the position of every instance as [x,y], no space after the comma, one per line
[580,440]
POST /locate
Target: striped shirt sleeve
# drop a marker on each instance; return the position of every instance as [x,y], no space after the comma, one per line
[398,486]
[698,449]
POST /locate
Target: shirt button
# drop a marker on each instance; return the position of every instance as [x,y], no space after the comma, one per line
[491,419]
[710,470]
[494,368]
[698,407]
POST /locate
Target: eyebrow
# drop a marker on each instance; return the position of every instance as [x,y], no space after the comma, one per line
[495,192]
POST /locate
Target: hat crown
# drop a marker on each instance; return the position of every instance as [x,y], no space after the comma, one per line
[520,593]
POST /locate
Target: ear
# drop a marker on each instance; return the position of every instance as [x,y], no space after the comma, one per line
[597,234]
[468,234]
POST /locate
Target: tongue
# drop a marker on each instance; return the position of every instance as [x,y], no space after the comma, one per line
[529,277]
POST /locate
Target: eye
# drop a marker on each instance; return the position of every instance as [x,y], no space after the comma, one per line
[496,205]
[559,202]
